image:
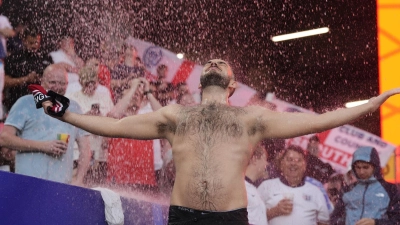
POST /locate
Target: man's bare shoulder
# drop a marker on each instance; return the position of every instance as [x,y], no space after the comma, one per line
[170,111]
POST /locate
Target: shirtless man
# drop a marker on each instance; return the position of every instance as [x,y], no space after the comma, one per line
[212,143]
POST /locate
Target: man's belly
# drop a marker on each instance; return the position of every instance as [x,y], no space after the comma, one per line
[210,194]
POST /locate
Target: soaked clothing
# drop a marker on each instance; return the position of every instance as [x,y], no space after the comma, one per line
[179,215]
[372,198]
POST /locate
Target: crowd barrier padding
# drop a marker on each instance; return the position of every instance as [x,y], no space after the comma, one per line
[28,200]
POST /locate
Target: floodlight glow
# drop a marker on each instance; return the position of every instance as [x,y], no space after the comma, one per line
[356,103]
[300,34]
[179,55]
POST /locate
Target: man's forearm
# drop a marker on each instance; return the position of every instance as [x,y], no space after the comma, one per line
[103,126]
[12,82]
[342,116]
[119,109]
[155,104]
[288,125]
[17,143]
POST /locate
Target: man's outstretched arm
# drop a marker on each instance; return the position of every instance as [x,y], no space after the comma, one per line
[286,125]
[144,126]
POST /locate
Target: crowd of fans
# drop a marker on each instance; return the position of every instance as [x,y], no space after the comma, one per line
[116,87]
[120,86]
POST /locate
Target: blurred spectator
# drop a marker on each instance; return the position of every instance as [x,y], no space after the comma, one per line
[34,135]
[67,57]
[88,96]
[135,163]
[294,198]
[6,31]
[350,178]
[371,200]
[162,71]
[257,212]
[153,88]
[275,148]
[260,99]
[165,94]
[94,103]
[315,167]
[182,88]
[7,159]
[334,187]
[14,44]
[24,67]
[185,99]
[103,73]
[130,67]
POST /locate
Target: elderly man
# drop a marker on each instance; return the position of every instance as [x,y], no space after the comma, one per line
[34,136]
[371,200]
[293,199]
[212,142]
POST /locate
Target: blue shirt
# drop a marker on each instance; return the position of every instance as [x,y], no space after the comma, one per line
[34,124]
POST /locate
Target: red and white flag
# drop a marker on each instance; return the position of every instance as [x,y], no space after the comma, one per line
[180,70]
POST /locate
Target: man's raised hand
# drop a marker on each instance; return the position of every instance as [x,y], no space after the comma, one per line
[380,99]
[54,104]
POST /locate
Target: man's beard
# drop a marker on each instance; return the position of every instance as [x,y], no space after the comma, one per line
[214,79]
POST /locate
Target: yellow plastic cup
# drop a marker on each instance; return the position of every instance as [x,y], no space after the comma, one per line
[63,137]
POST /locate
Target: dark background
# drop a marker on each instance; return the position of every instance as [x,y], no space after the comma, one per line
[321,72]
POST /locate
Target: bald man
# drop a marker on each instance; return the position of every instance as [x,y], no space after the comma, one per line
[34,136]
[212,143]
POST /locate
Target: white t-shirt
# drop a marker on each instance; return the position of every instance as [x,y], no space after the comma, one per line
[257,212]
[85,102]
[309,203]
[105,106]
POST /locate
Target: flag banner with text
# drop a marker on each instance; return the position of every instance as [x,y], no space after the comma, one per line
[337,145]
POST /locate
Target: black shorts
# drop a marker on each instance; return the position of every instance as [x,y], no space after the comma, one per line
[179,215]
